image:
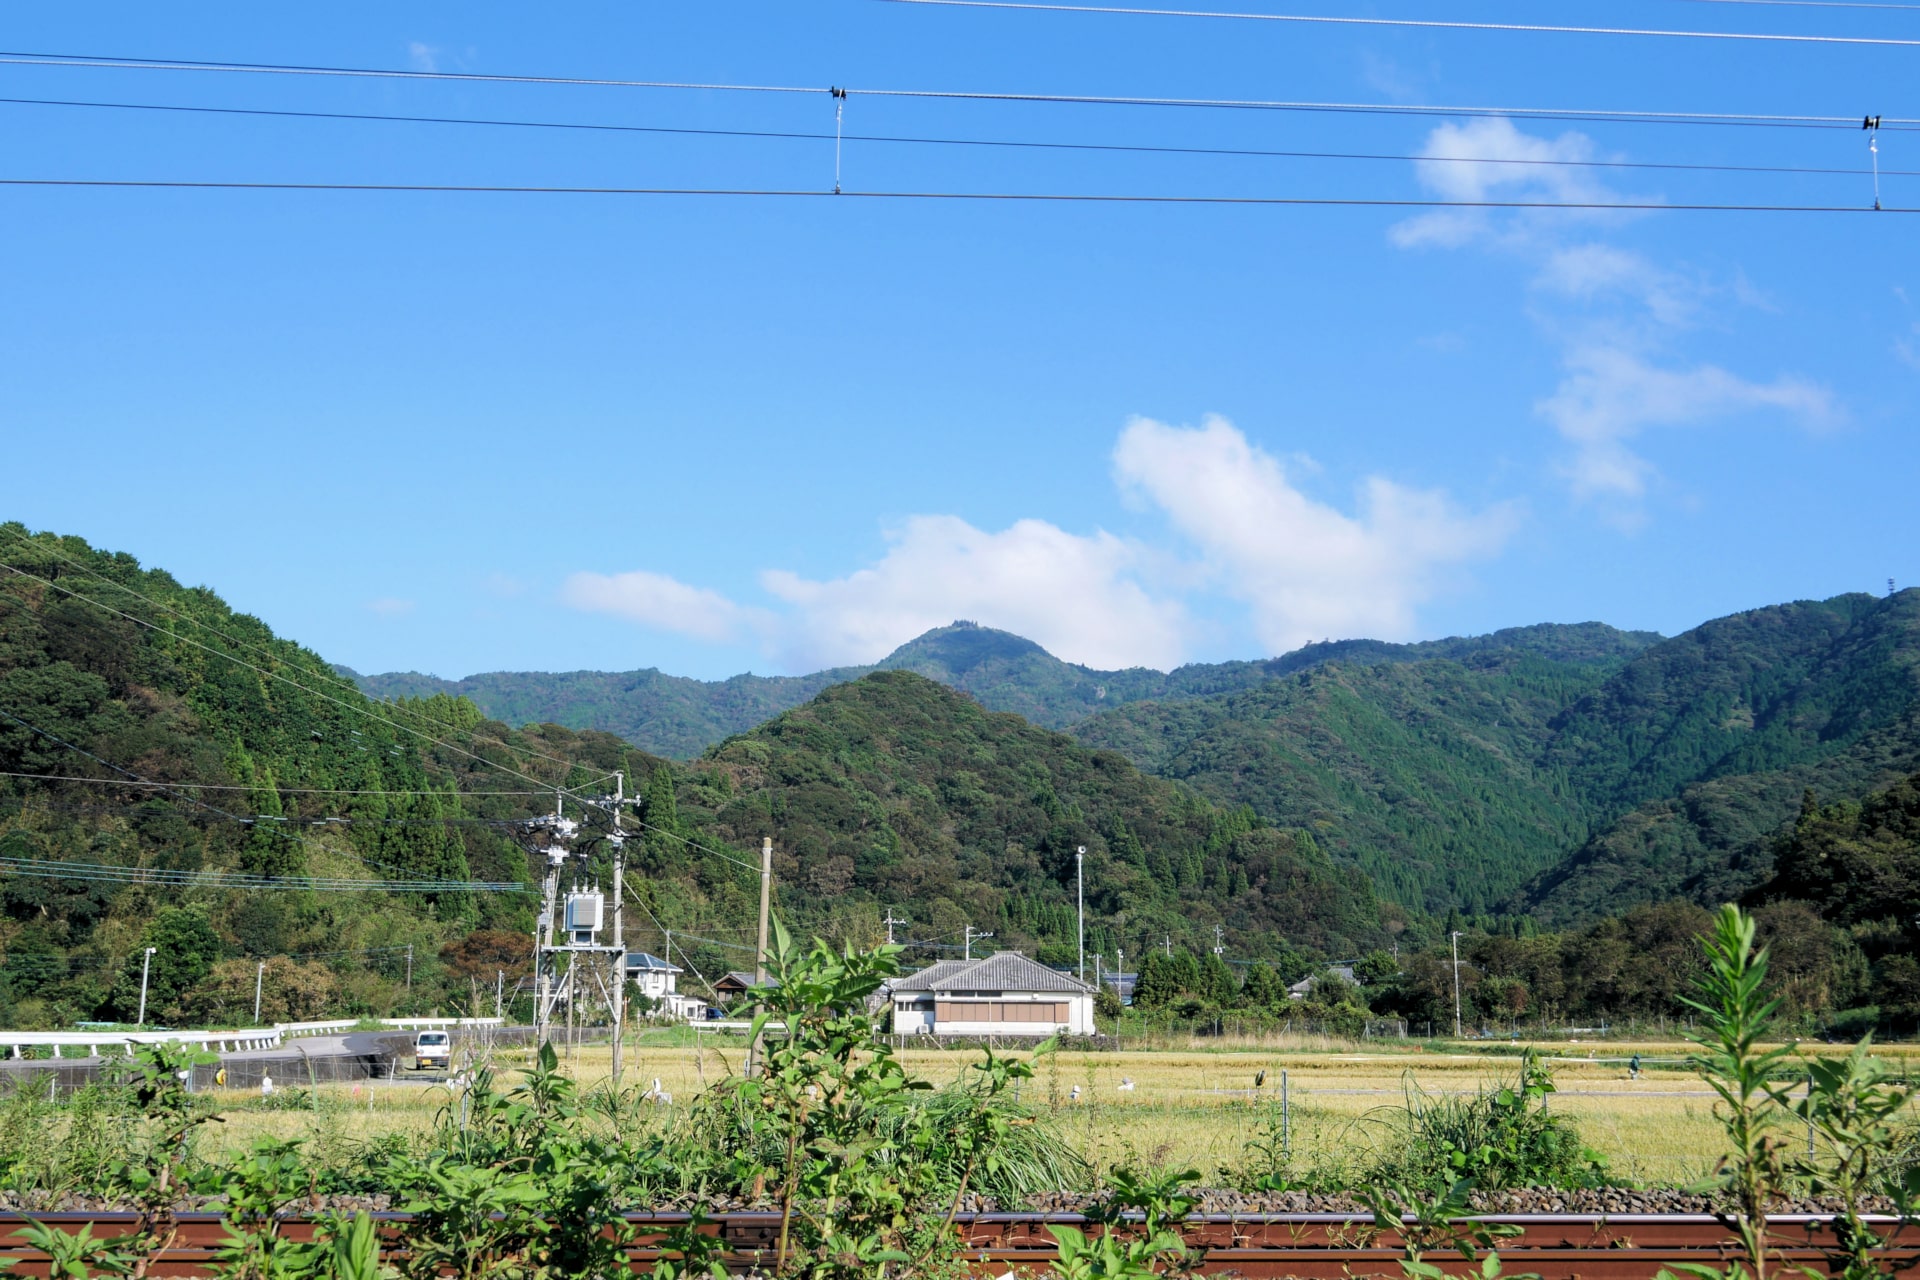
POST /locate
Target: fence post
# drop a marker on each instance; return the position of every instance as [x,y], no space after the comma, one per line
[1286,1120]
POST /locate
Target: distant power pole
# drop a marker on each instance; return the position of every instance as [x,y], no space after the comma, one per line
[259,977]
[1219,948]
[890,922]
[1168,940]
[971,934]
[1080,901]
[1456,984]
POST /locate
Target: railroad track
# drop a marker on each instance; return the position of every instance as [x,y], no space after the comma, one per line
[1310,1246]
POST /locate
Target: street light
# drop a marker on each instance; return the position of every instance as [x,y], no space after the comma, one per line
[146,966]
[1456,984]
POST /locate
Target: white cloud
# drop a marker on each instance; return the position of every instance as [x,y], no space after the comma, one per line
[659,603]
[1077,596]
[1488,159]
[1306,569]
[425,57]
[1609,395]
[390,607]
[1594,272]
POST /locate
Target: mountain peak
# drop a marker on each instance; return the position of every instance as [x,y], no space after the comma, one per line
[950,651]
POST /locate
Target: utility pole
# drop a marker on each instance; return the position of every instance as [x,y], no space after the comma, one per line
[971,934]
[760,956]
[617,980]
[1080,899]
[1219,947]
[146,963]
[259,977]
[890,922]
[1168,940]
[1456,984]
[500,993]
[409,971]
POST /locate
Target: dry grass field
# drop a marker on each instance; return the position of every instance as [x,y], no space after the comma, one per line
[1196,1107]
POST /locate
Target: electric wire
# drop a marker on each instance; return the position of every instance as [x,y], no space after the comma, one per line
[1035,197]
[1850,121]
[60,869]
[1009,143]
[1349,20]
[285,791]
[455,886]
[263,650]
[275,675]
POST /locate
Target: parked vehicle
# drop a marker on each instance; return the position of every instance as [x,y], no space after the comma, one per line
[432,1049]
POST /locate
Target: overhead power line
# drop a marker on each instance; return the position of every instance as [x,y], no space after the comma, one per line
[236,641]
[584,800]
[47,868]
[1049,197]
[1848,121]
[285,791]
[1345,20]
[908,139]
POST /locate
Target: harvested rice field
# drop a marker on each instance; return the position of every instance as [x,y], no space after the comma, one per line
[1196,1107]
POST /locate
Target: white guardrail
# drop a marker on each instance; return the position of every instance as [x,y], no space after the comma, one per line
[120,1043]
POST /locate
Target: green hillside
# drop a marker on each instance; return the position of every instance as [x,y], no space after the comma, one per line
[678,717]
[1426,775]
[896,791]
[1708,742]
[1566,788]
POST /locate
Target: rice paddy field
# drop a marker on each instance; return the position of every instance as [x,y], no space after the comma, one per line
[1196,1106]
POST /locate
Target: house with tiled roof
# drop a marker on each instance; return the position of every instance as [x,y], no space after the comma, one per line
[1005,994]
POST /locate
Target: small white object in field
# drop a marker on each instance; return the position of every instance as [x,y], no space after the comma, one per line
[1126,1085]
[266,1086]
[1075,1095]
[656,1095]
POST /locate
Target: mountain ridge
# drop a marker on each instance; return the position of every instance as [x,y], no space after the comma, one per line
[679,717]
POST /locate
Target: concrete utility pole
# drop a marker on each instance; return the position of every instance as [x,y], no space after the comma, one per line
[1456,984]
[1219,947]
[760,956]
[499,993]
[766,904]
[146,963]
[259,977]
[409,970]
[1168,940]
[971,934]
[890,922]
[617,980]
[1080,897]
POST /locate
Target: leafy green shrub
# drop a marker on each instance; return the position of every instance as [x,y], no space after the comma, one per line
[1497,1138]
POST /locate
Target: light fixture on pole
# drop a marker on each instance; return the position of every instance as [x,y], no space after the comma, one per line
[146,967]
[1456,984]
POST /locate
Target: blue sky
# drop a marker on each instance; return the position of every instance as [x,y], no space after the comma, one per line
[464,432]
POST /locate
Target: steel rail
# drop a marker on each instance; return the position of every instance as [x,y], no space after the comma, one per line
[1309,1246]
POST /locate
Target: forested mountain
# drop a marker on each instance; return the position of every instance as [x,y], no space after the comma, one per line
[1562,788]
[1426,775]
[155,746]
[1708,742]
[679,717]
[897,791]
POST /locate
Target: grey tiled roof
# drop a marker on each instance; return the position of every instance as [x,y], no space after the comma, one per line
[924,980]
[643,961]
[1006,971]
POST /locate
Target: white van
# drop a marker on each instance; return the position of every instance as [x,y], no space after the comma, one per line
[432,1049]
